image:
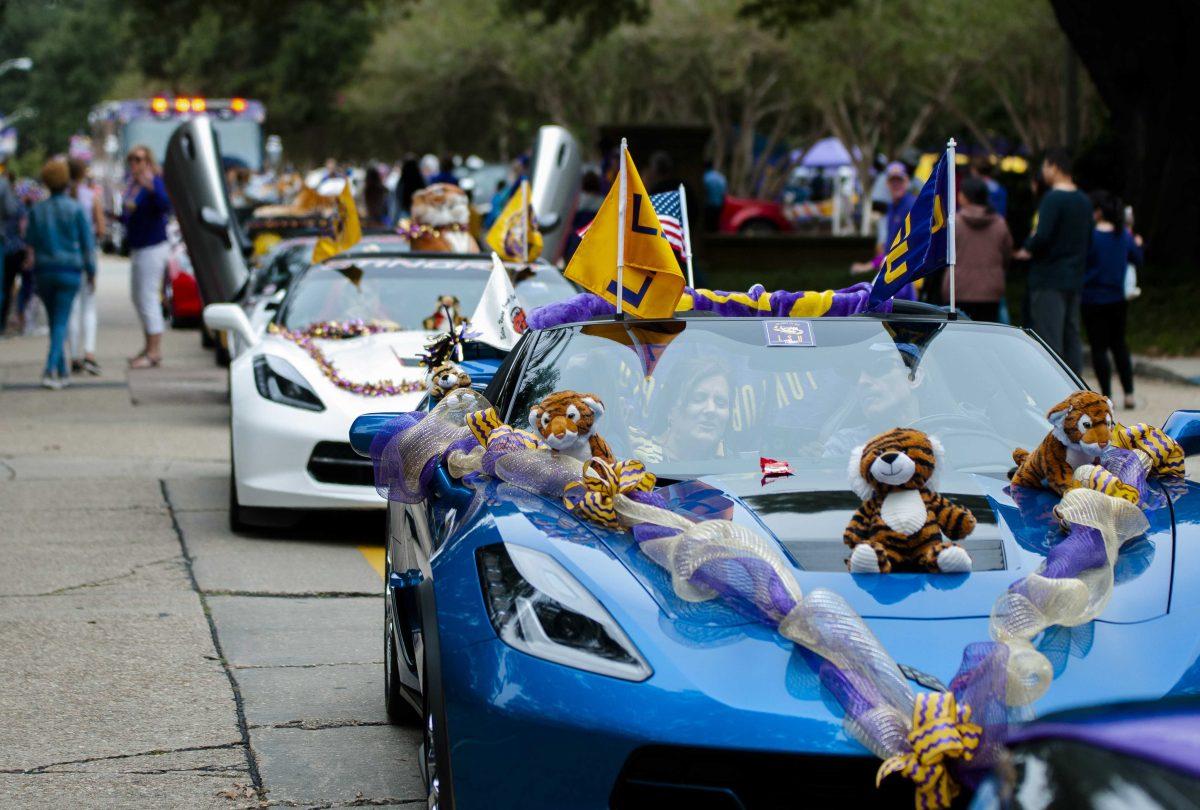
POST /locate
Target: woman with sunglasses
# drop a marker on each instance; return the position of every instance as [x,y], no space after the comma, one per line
[145,216]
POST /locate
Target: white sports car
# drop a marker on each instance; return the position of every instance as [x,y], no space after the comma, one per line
[345,329]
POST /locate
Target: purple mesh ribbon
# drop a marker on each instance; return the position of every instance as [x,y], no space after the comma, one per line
[387,460]
[1081,549]
[980,684]
[1124,464]
[749,585]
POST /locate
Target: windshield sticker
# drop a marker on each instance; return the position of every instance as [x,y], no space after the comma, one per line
[789,333]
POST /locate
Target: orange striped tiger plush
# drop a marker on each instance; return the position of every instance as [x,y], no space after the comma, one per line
[566,421]
[900,524]
[1080,429]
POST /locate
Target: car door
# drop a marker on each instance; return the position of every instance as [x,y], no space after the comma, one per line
[196,184]
[557,172]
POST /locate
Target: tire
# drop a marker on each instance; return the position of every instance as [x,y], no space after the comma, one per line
[757,227]
[433,743]
[243,519]
[237,521]
[221,353]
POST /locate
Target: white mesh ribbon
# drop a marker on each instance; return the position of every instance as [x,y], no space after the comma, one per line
[1037,602]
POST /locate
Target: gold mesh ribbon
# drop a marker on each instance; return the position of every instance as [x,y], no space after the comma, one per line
[1093,476]
[1166,455]
[592,496]
[941,730]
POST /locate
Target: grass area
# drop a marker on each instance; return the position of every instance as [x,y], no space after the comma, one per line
[1164,321]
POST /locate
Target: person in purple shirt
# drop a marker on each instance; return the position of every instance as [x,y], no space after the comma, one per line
[1103,304]
[901,202]
[145,216]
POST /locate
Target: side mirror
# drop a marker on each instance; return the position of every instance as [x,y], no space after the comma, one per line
[548,221]
[1184,427]
[230,318]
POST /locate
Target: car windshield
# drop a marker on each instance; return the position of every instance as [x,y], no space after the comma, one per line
[707,396]
[405,292]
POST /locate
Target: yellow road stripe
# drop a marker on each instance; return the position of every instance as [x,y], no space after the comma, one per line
[376,557]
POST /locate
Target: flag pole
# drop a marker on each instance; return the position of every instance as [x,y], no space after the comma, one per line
[525,214]
[622,193]
[951,205]
[687,236]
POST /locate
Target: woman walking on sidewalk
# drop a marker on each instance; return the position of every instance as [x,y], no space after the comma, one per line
[63,254]
[83,313]
[1104,307]
[145,218]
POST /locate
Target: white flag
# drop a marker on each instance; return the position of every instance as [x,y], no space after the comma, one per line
[499,319]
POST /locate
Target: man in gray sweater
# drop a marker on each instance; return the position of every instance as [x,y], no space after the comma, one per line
[1057,250]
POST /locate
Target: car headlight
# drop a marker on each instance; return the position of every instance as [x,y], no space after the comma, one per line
[279,381]
[537,607]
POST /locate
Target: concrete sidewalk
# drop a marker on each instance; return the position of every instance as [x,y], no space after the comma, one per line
[1183,370]
[151,658]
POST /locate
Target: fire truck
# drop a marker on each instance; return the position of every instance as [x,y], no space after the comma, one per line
[118,126]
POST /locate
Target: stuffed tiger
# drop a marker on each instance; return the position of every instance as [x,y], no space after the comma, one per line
[445,378]
[1081,427]
[900,524]
[566,421]
[445,212]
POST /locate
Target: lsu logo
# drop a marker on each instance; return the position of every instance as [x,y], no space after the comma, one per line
[520,324]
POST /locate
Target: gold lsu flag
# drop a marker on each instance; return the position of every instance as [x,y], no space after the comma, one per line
[514,235]
[346,230]
[653,280]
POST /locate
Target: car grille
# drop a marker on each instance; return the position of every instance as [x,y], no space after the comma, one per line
[721,779]
[337,463]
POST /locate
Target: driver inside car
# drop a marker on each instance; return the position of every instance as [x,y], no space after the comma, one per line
[697,406]
[886,396]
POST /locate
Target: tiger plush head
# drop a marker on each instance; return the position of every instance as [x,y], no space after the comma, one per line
[566,419]
[441,204]
[902,458]
[1083,422]
[445,378]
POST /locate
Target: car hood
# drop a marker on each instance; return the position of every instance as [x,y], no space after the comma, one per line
[807,513]
[732,667]
[371,358]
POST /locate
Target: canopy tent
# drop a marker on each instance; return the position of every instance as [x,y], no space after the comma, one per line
[828,153]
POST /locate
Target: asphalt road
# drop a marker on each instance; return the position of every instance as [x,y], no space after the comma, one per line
[148,656]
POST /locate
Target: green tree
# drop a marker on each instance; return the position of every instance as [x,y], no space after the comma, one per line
[76,47]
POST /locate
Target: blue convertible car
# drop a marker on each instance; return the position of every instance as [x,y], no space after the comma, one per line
[553,665]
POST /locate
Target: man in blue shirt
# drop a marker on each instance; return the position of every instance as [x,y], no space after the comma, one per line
[715,189]
[902,200]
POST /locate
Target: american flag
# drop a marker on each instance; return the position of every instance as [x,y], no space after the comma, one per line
[666,205]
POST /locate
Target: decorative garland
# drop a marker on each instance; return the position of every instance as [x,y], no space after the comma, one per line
[406,227]
[343,330]
[935,739]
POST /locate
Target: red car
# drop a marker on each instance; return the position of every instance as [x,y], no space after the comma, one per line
[746,216]
[182,306]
